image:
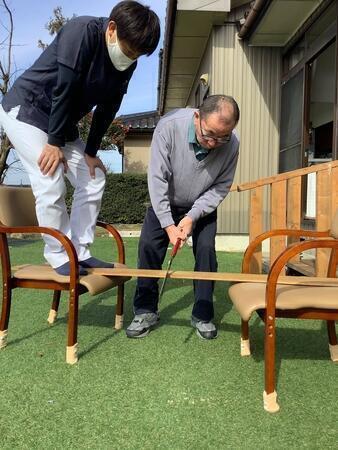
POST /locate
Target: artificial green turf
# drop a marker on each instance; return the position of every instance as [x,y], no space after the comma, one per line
[170,390]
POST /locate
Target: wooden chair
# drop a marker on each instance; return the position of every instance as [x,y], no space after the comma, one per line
[273,300]
[17,215]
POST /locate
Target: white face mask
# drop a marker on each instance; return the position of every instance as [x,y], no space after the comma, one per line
[118,58]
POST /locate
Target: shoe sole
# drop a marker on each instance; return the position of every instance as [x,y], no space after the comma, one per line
[144,334]
[204,338]
[139,336]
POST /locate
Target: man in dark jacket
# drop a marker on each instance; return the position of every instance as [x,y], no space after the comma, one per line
[88,65]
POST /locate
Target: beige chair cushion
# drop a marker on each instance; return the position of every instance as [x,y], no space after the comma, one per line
[95,284]
[17,206]
[248,297]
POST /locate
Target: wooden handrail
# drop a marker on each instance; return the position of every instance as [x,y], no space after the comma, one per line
[283,176]
[279,200]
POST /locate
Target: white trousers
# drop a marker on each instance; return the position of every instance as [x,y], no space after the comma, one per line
[49,191]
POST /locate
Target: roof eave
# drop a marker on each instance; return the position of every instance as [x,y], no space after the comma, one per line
[168,38]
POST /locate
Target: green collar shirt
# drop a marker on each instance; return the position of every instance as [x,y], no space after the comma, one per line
[200,152]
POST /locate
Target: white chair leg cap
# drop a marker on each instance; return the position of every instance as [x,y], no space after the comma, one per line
[334,352]
[245,347]
[270,402]
[118,322]
[3,338]
[52,316]
[72,354]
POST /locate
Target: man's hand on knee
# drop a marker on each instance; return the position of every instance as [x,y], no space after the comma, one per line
[50,159]
[94,162]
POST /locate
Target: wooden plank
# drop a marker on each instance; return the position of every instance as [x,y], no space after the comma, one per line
[323,217]
[293,209]
[286,175]
[334,191]
[335,106]
[278,218]
[214,276]
[256,227]
[302,267]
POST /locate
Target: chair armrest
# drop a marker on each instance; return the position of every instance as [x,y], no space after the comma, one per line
[61,237]
[118,239]
[284,257]
[250,250]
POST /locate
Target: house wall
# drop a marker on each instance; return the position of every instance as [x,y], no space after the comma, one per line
[136,153]
[252,76]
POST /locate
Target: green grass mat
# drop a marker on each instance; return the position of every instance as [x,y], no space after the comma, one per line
[168,391]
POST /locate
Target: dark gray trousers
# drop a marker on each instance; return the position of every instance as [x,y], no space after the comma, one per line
[152,249]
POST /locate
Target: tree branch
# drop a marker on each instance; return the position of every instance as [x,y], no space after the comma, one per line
[5,76]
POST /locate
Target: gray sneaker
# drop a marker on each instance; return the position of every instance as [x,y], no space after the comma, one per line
[142,324]
[204,330]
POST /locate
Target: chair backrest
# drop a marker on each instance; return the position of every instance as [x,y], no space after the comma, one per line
[17,206]
[334,226]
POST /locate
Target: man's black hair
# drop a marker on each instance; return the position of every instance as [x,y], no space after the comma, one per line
[138,25]
[213,103]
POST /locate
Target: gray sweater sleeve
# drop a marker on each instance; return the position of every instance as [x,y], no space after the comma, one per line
[159,174]
[211,198]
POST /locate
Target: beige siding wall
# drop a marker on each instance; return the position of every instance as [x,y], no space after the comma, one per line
[136,153]
[204,67]
[252,76]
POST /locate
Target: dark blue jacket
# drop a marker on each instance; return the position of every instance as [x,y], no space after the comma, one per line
[71,77]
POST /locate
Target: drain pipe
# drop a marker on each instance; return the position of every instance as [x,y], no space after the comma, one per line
[247,27]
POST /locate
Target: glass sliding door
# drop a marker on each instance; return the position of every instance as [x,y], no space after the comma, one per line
[319,118]
[290,156]
[321,106]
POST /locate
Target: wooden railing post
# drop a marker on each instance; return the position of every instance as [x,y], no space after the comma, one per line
[293,207]
[323,216]
[278,217]
[256,226]
[334,191]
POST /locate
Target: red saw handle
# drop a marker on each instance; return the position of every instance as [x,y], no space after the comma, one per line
[175,248]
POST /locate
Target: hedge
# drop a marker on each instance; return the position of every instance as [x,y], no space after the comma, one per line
[125,198]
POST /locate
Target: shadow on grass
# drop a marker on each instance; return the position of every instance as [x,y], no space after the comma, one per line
[99,342]
[34,333]
[291,344]
[221,306]
[95,313]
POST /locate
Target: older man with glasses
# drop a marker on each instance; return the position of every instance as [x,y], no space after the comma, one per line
[193,161]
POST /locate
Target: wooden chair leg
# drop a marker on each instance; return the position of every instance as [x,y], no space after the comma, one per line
[119,307]
[5,313]
[53,313]
[72,344]
[333,345]
[270,394]
[245,341]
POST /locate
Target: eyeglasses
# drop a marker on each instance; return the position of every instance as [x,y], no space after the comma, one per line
[220,140]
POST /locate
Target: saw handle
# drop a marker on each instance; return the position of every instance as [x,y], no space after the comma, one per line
[175,248]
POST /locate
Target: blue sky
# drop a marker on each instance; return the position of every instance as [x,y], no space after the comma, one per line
[30,18]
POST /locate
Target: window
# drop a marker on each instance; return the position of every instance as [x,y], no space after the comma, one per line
[291,124]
